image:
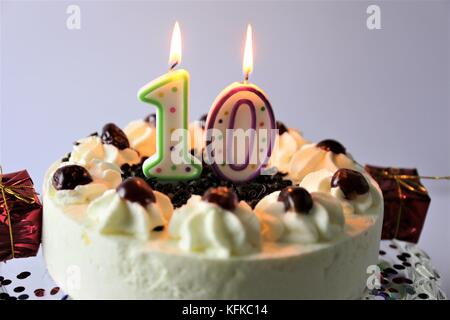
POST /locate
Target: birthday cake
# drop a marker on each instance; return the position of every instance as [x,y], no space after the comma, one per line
[308,228]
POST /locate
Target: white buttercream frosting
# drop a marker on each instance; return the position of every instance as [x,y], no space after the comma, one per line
[104,175]
[91,147]
[142,137]
[285,146]
[110,214]
[201,226]
[320,181]
[311,158]
[323,222]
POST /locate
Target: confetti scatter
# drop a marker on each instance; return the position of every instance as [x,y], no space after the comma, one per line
[406,274]
[23,275]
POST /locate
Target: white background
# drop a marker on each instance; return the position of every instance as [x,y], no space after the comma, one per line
[384,93]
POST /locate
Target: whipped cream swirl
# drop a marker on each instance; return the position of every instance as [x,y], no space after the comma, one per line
[90,148]
[286,144]
[104,175]
[323,222]
[142,137]
[311,158]
[111,214]
[366,203]
[205,227]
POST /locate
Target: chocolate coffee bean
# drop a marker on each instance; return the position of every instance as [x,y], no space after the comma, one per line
[331,145]
[222,196]
[112,134]
[281,128]
[351,182]
[136,190]
[296,198]
[70,176]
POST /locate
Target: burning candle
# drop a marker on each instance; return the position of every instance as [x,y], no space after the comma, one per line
[240,127]
[170,95]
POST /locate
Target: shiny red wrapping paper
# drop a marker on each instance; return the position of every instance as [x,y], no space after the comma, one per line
[20,234]
[406,202]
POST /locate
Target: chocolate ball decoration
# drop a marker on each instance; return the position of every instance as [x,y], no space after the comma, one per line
[332,145]
[224,197]
[112,134]
[351,182]
[70,176]
[296,198]
[151,119]
[281,127]
[202,120]
[136,190]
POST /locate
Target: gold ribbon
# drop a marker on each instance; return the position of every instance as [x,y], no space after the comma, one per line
[412,183]
[15,192]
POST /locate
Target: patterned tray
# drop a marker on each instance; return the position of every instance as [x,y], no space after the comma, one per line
[404,272]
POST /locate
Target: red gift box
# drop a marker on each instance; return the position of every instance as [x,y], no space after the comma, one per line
[406,202]
[20,216]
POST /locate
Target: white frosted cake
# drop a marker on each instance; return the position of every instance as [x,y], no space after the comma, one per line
[308,231]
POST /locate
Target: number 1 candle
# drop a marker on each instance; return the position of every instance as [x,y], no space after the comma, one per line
[241,114]
[170,95]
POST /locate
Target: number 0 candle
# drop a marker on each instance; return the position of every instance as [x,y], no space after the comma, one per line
[240,127]
[170,95]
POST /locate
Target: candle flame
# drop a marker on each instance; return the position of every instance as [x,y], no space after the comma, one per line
[247,65]
[175,47]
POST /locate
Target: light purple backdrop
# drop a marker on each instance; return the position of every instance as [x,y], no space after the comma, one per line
[383,93]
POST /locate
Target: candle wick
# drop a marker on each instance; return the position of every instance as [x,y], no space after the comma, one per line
[246,77]
[173,66]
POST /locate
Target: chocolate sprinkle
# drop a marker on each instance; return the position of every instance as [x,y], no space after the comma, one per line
[136,190]
[179,192]
[297,199]
[224,197]
[19,289]
[112,134]
[158,228]
[66,158]
[331,145]
[352,183]
[70,176]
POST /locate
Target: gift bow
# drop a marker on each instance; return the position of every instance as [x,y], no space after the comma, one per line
[15,191]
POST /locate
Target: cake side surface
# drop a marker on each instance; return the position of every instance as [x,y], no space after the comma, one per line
[88,265]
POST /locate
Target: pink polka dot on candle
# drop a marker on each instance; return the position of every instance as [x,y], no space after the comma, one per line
[173,109]
[261,124]
[158,170]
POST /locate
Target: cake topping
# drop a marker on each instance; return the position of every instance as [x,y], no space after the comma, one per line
[331,145]
[151,119]
[136,190]
[112,134]
[202,227]
[281,128]
[222,196]
[202,120]
[351,183]
[296,198]
[70,176]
